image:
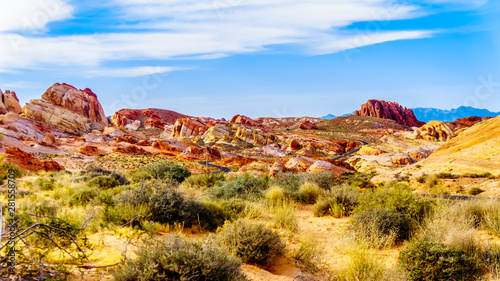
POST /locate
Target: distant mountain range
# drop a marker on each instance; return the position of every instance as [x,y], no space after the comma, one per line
[429,114]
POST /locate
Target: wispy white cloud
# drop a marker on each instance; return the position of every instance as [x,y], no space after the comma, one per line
[32,16]
[132,72]
[194,29]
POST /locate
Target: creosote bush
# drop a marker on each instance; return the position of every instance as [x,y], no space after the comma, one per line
[243,186]
[252,242]
[167,170]
[205,180]
[379,228]
[430,261]
[175,258]
[103,182]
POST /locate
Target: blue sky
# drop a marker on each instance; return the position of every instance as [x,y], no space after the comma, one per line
[273,58]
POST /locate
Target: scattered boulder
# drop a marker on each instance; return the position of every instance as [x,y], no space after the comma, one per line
[27,162]
[299,163]
[49,140]
[401,159]
[89,150]
[389,110]
[307,125]
[277,167]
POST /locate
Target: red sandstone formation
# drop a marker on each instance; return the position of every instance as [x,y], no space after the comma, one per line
[240,119]
[27,162]
[466,122]
[149,118]
[187,127]
[9,102]
[389,110]
[308,126]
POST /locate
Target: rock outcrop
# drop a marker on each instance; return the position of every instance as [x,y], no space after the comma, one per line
[434,131]
[9,102]
[277,167]
[131,149]
[308,126]
[241,119]
[324,166]
[188,127]
[299,163]
[148,118]
[389,110]
[68,109]
[466,122]
[27,162]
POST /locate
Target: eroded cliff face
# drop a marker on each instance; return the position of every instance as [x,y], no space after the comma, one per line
[148,118]
[390,110]
[68,109]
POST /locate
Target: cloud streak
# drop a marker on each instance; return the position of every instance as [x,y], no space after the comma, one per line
[193,29]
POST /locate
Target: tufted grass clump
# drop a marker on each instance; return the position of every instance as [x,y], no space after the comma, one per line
[339,202]
[176,258]
[243,186]
[251,242]
[103,182]
[309,192]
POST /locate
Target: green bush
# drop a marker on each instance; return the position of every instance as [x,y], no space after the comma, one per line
[475,191]
[398,198]
[244,186]
[4,172]
[83,196]
[289,181]
[167,170]
[174,258]
[138,176]
[308,192]
[205,180]
[339,202]
[166,205]
[358,180]
[381,225]
[103,182]
[45,184]
[324,180]
[252,242]
[429,261]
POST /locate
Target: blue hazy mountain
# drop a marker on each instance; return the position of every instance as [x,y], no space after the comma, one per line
[330,116]
[428,114]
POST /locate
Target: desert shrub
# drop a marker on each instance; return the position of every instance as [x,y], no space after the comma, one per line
[398,198]
[169,206]
[103,182]
[167,170]
[425,260]
[83,196]
[175,258]
[275,194]
[120,178]
[324,180]
[339,202]
[444,175]
[308,192]
[431,181]
[289,181]
[361,265]
[138,176]
[309,255]
[235,207]
[490,255]
[45,208]
[380,228]
[205,180]
[475,191]
[45,184]
[474,175]
[284,216]
[252,242]
[244,186]
[358,180]
[4,172]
